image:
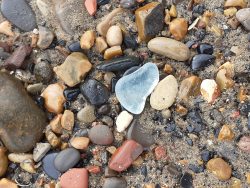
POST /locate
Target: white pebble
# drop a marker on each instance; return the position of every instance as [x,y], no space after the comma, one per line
[114,36]
[123,121]
[209,90]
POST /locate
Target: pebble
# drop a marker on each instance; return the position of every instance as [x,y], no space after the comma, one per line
[132,90]
[224,80]
[200,61]
[130,41]
[22,122]
[100,44]
[114,36]
[45,37]
[115,182]
[128,3]
[112,52]
[35,88]
[149,20]
[28,166]
[5,28]
[125,155]
[118,64]
[5,183]
[107,120]
[71,94]
[226,134]
[168,47]
[186,180]
[53,140]
[48,165]
[160,153]
[104,109]
[66,159]
[16,60]
[164,93]
[205,48]
[105,138]
[75,178]
[19,157]
[91,6]
[43,71]
[137,133]
[54,98]
[244,144]
[104,25]
[67,120]
[21,16]
[95,92]
[3,161]
[123,121]
[109,173]
[40,151]
[206,155]
[178,28]
[243,16]
[55,124]
[75,47]
[87,39]
[235,3]
[209,90]
[219,168]
[80,143]
[74,69]
[87,114]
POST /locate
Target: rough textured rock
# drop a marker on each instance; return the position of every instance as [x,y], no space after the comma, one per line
[21,121]
[45,37]
[19,13]
[178,28]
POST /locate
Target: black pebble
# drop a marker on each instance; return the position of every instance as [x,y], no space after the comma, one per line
[198,10]
[113,84]
[186,181]
[205,48]
[40,101]
[144,171]
[102,2]
[75,47]
[206,155]
[131,70]
[200,61]
[104,109]
[71,94]
[190,43]
[66,105]
[200,34]
[189,141]
[130,41]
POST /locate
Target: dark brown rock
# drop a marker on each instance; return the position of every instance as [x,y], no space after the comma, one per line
[21,121]
[16,60]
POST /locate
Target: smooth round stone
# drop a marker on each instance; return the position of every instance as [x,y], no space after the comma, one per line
[115,182]
[101,135]
[43,71]
[48,165]
[87,114]
[114,36]
[220,168]
[75,178]
[243,16]
[205,48]
[66,159]
[71,94]
[200,61]
[19,13]
[165,93]
[21,121]
[132,90]
[95,92]
[75,47]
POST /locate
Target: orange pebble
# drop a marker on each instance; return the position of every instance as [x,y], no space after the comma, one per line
[91,6]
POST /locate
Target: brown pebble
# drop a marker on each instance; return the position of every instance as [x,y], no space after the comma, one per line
[112,52]
[178,28]
[168,69]
[52,139]
[55,124]
[5,183]
[219,168]
[67,120]
[173,11]
[100,44]
[87,40]
[235,3]
[80,143]
[226,134]
[3,161]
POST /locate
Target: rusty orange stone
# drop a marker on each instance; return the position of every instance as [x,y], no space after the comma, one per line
[91,6]
[125,155]
[76,177]
[93,169]
[160,152]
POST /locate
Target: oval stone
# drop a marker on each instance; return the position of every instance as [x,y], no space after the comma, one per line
[48,165]
[21,121]
[170,48]
[101,135]
[200,61]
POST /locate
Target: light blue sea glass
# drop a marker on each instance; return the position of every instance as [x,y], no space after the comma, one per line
[132,90]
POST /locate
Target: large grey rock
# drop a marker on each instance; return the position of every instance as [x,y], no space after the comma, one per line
[19,13]
[21,121]
[243,16]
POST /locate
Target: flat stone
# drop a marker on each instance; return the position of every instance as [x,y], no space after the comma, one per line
[101,135]
[137,133]
[243,16]
[95,92]
[16,60]
[21,120]
[125,155]
[219,168]
[48,165]
[40,151]
[45,37]
[87,114]
[19,157]
[132,90]
[115,182]
[74,69]
[19,13]
[149,20]
[170,48]
[75,178]
[66,159]
[164,93]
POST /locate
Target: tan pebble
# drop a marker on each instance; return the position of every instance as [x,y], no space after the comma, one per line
[55,124]
[235,3]
[114,36]
[223,80]
[210,90]
[242,94]
[19,157]
[45,37]
[168,69]
[226,133]
[237,50]
[5,183]
[248,177]
[67,120]
[64,146]
[80,143]
[166,113]
[149,185]
[3,161]
[54,99]
[50,185]
[235,183]
[233,22]
[138,162]
[87,114]
[111,149]
[100,44]
[167,18]
[28,165]
[173,11]
[5,28]
[181,110]
[219,168]
[230,12]
[88,40]
[178,28]
[34,39]
[104,25]
[229,67]
[52,139]
[216,30]
[112,52]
